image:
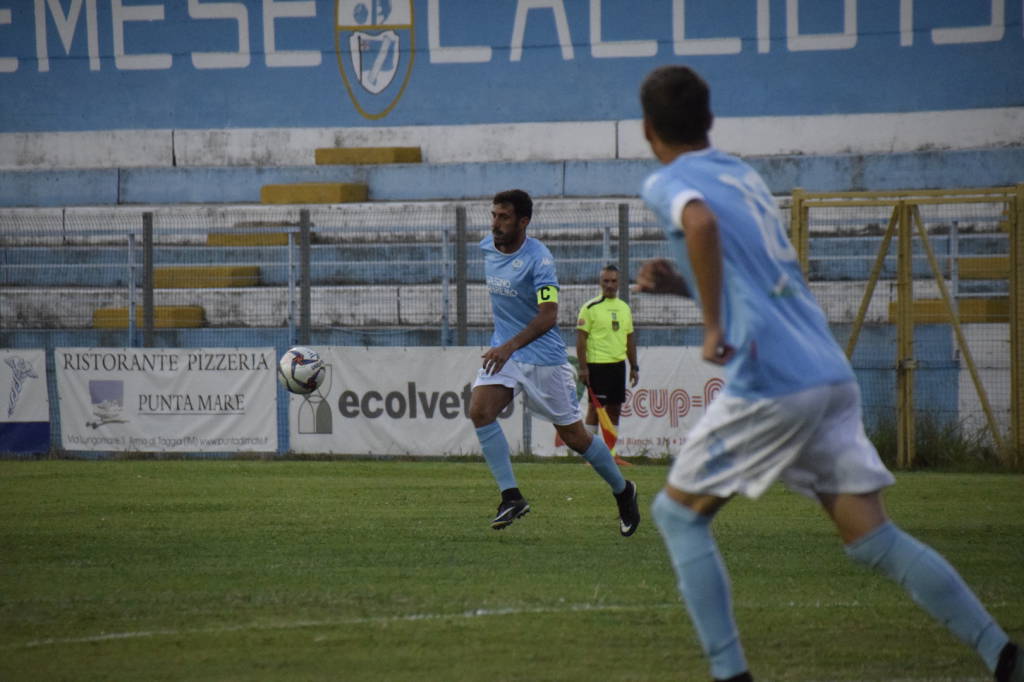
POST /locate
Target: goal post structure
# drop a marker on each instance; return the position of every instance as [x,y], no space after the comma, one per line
[974,287]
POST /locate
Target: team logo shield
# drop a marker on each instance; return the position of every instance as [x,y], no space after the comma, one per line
[374,40]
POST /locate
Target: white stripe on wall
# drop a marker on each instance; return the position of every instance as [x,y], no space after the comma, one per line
[580,140]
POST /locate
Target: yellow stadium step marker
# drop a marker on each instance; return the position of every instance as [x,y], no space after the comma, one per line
[972,310]
[984,267]
[164,317]
[315,193]
[351,156]
[205,276]
[247,239]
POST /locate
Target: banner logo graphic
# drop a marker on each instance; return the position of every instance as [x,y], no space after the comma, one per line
[374,41]
[315,411]
[21,370]
[107,402]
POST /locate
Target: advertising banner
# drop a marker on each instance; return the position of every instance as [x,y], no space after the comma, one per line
[394,401]
[24,401]
[167,400]
[415,401]
[675,388]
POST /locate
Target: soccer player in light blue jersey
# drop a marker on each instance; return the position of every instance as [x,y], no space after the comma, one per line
[790,409]
[527,354]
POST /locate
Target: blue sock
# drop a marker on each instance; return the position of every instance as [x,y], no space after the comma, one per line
[702,582]
[497,454]
[600,457]
[933,584]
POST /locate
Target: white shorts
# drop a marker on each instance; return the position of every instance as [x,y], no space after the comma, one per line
[813,441]
[550,389]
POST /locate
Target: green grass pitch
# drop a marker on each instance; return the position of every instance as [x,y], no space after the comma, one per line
[387,570]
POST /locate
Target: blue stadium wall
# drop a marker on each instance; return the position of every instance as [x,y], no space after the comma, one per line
[830,94]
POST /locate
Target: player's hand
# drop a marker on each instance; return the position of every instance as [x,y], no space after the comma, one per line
[495,358]
[659,276]
[716,350]
[583,376]
[634,377]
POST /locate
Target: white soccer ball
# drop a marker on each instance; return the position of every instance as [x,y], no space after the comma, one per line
[301,370]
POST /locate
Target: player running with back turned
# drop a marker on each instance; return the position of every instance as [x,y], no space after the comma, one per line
[527,354]
[790,408]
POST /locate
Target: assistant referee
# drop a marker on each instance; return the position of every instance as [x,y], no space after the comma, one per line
[604,341]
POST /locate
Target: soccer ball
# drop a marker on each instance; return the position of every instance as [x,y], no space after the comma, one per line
[300,370]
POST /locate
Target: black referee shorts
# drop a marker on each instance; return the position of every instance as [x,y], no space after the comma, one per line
[608,380]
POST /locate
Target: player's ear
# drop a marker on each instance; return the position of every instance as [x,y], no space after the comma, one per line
[648,131]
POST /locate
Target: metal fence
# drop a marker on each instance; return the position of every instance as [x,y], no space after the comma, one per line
[410,274]
[923,288]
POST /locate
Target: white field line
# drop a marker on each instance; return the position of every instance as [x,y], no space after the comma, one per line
[375,620]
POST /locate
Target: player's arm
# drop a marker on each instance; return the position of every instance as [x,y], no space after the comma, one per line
[545,319]
[581,354]
[582,338]
[634,369]
[705,250]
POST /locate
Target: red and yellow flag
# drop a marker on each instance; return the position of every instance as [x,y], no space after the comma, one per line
[609,433]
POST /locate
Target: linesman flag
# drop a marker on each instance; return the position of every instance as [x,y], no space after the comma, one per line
[609,433]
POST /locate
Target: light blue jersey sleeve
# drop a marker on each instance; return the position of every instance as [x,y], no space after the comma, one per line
[782,339]
[513,282]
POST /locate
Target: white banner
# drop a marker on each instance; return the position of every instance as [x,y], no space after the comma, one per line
[168,400]
[415,401]
[24,401]
[675,388]
[394,401]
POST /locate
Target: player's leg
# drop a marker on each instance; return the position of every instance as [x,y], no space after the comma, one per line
[485,403]
[593,449]
[873,540]
[590,421]
[842,469]
[684,521]
[551,394]
[737,447]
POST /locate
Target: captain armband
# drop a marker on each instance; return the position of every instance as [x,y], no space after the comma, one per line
[547,294]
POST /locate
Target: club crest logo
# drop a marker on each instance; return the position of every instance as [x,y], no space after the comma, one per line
[374,41]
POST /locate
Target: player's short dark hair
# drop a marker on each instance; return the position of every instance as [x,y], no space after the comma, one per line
[677,103]
[520,201]
[610,267]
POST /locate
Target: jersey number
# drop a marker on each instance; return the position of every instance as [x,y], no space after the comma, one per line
[765,213]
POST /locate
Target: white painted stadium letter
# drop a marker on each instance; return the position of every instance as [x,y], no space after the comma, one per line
[523,8]
[821,41]
[121,15]
[275,9]
[463,54]
[764,27]
[988,33]
[616,48]
[7,64]
[683,45]
[992,32]
[222,10]
[66,30]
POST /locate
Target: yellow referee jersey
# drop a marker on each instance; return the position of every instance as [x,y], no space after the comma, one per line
[607,322]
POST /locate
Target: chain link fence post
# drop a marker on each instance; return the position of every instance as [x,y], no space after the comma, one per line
[624,274]
[461,277]
[148,311]
[305,281]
